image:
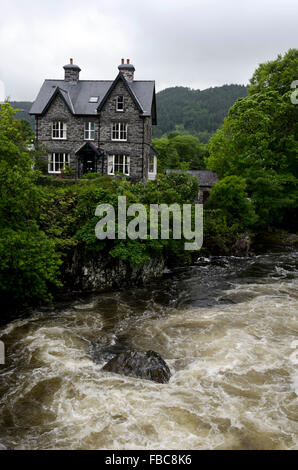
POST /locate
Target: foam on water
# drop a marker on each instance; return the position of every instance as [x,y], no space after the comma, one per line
[234,365]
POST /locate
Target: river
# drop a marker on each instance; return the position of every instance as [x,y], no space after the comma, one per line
[227,327]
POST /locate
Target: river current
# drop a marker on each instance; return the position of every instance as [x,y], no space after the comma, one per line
[228,329]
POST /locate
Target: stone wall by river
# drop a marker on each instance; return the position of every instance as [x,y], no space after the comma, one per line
[97,272]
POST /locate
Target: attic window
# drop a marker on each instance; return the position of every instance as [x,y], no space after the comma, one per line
[93,99]
[120,103]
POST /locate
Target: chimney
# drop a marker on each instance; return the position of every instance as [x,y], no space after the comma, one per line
[127,70]
[72,72]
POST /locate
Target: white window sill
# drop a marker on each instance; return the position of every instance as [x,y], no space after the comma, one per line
[59,138]
[89,139]
[119,140]
[54,172]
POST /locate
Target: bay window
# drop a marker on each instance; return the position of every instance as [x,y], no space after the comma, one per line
[118,164]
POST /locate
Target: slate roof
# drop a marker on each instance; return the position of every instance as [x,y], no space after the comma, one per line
[206,178]
[77,95]
[152,151]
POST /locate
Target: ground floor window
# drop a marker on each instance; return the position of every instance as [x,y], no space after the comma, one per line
[151,164]
[152,167]
[118,164]
[57,162]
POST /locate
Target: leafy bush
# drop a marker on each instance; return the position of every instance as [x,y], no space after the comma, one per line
[229,195]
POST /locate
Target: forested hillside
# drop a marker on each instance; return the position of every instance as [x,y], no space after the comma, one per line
[24,107]
[195,112]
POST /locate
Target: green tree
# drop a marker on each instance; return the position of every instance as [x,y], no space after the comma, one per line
[258,141]
[180,152]
[28,260]
[231,197]
[276,74]
[25,129]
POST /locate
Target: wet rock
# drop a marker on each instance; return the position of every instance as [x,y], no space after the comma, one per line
[102,352]
[202,261]
[86,273]
[242,246]
[142,364]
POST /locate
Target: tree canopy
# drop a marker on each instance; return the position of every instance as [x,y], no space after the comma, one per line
[258,140]
[28,260]
[181,152]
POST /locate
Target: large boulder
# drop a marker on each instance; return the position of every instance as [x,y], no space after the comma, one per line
[142,364]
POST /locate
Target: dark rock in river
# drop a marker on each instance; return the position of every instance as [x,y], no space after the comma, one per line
[142,364]
[242,246]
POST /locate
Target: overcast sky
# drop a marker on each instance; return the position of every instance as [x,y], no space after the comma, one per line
[194,43]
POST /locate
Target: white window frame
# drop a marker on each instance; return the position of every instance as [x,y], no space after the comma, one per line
[112,163]
[118,129]
[152,174]
[121,110]
[59,130]
[54,160]
[152,159]
[89,130]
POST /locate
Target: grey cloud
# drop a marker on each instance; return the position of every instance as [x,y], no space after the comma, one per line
[196,43]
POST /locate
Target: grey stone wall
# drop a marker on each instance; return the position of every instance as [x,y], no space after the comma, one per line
[127,71]
[58,111]
[72,75]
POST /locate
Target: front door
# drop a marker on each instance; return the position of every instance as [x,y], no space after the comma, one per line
[89,165]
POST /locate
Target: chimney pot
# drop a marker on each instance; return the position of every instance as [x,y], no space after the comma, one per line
[128,60]
[71,61]
[122,61]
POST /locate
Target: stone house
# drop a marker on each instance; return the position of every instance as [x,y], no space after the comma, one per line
[101,126]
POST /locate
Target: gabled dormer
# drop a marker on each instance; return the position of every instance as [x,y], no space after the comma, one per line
[127,85]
